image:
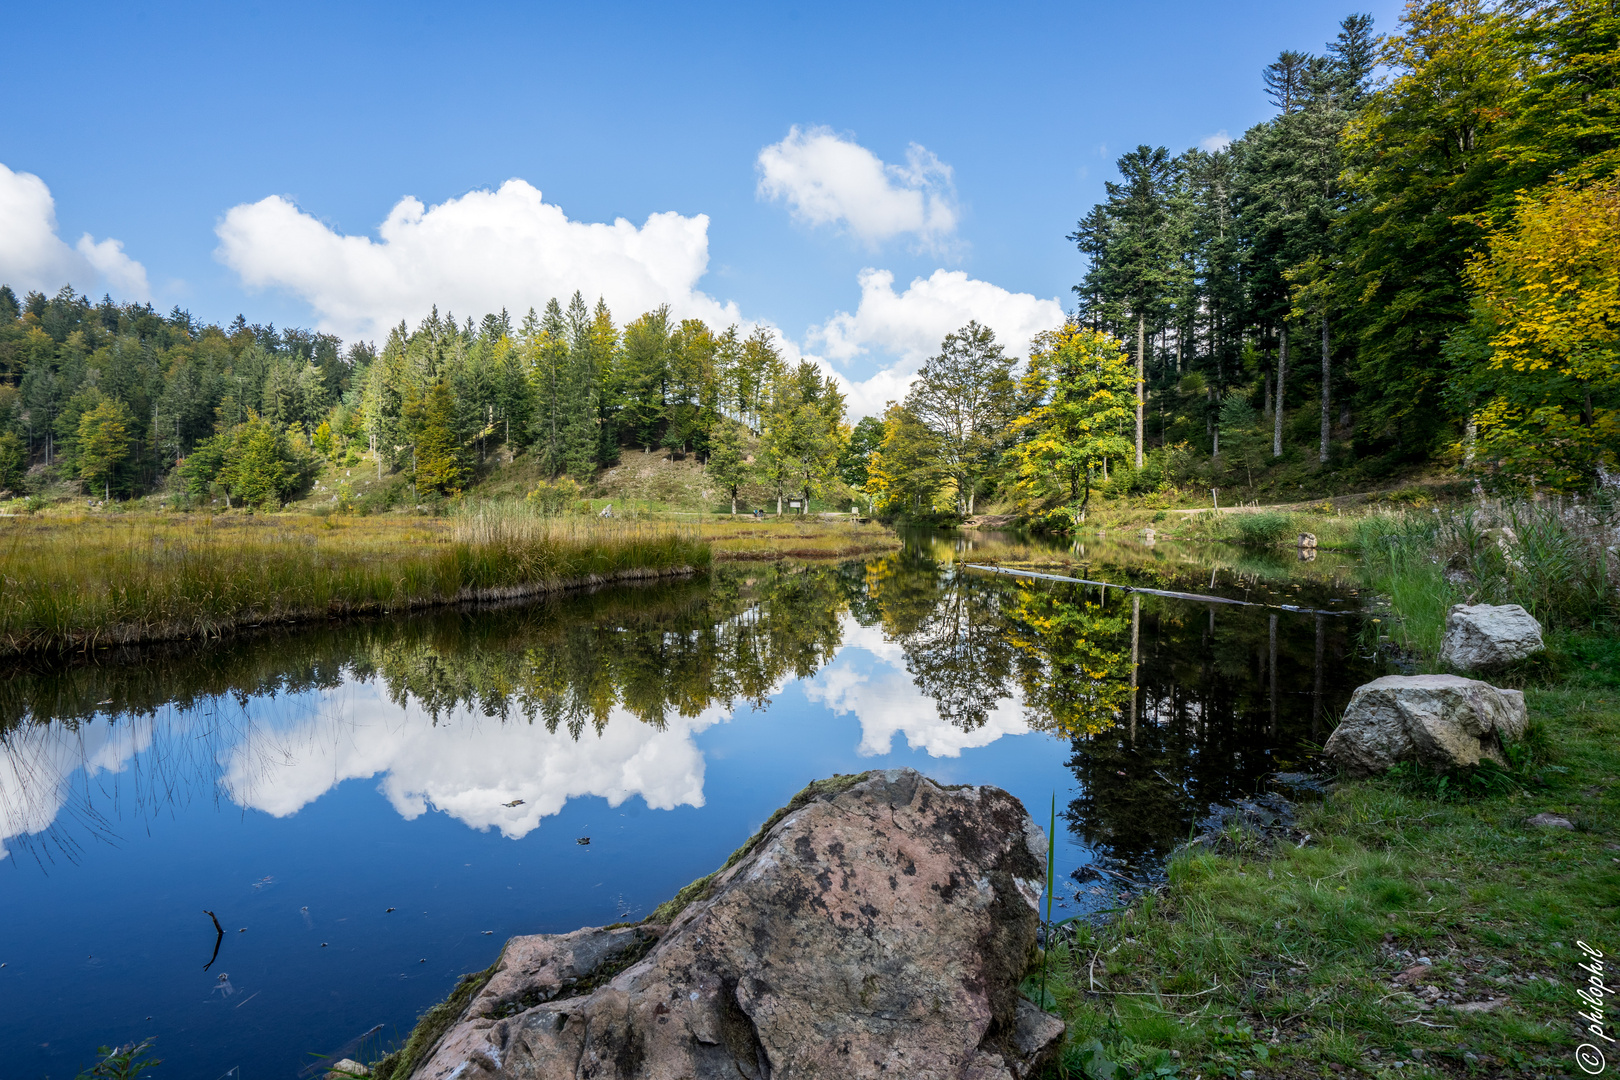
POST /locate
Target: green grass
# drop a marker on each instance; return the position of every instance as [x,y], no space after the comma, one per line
[1551,558]
[1284,961]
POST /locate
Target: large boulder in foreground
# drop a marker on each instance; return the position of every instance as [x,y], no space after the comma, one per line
[1484,636]
[1441,721]
[879,926]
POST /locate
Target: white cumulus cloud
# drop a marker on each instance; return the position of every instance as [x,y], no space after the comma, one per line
[829,180]
[1218,141]
[33,256]
[477,253]
[910,325]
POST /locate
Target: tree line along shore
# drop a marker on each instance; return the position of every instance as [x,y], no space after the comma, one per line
[1408,271]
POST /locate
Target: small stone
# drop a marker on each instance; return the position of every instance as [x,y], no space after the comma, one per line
[346,1068]
[1550,821]
[1247,1074]
[1490,1005]
[1307,540]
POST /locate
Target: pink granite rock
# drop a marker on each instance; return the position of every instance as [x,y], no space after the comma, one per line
[879,928]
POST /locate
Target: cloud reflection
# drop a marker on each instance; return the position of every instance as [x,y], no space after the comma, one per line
[877,689]
[465,765]
[38,763]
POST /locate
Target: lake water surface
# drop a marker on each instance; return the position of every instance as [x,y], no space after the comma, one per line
[371,809]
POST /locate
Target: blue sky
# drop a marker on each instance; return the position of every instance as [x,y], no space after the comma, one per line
[908,139]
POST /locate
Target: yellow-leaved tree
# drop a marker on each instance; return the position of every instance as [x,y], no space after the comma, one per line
[1547,301]
[1084,388]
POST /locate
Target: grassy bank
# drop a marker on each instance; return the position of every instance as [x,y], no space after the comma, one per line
[71,583]
[80,582]
[1291,960]
[790,537]
[1425,928]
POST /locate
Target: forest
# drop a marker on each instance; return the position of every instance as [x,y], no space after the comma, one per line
[1413,266]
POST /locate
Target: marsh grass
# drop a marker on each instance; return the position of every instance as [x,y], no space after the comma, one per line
[1550,557]
[1268,528]
[804,537]
[74,583]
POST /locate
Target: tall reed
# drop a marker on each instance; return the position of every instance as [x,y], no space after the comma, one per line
[1555,558]
[71,583]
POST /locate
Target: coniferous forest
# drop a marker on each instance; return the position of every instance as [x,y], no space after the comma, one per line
[1413,267]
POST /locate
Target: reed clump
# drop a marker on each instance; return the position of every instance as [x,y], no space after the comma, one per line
[1556,558]
[74,583]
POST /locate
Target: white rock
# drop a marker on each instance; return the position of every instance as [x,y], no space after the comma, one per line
[1307,540]
[1442,721]
[1480,636]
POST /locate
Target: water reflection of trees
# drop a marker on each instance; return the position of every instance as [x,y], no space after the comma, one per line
[655,650]
[1168,705]
[732,638]
[1224,698]
[952,632]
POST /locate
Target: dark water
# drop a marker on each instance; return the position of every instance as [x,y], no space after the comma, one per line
[301,785]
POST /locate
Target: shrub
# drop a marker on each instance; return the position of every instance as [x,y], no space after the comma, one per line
[555,496]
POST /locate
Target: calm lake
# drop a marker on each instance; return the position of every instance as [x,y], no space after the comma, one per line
[371,809]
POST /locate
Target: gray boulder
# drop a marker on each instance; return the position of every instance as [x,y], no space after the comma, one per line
[879,926]
[1483,636]
[1441,721]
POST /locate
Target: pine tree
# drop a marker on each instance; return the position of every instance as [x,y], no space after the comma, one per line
[580,394]
[441,463]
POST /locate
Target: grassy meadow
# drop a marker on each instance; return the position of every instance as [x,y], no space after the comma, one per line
[77,582]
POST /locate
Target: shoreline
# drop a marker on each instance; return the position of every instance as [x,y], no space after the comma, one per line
[75,586]
[135,636]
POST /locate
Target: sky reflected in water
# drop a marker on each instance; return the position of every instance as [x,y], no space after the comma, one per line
[372,809]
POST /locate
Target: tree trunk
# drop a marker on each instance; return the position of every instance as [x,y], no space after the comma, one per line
[1327,382]
[1282,375]
[778,503]
[1141,369]
[1136,632]
[733,504]
[1266,412]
